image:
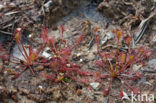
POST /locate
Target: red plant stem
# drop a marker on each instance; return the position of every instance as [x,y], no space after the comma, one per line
[45,64]
[60,43]
[30,48]
[21,51]
[108,76]
[130,78]
[86,73]
[10,55]
[31,70]
[117,56]
[16,75]
[78,41]
[124,67]
[54,49]
[136,59]
[141,58]
[103,61]
[102,77]
[98,50]
[25,52]
[111,66]
[62,31]
[13,62]
[41,48]
[128,64]
[110,84]
[127,84]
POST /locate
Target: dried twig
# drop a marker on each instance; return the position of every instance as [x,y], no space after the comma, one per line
[150,71]
[4,32]
[113,46]
[143,26]
[11,13]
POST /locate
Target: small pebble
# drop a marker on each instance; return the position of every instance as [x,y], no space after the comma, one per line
[94,85]
[40,87]
[78,54]
[78,92]
[14,91]
[81,60]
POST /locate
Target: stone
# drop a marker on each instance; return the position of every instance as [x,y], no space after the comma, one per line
[152,63]
[95,85]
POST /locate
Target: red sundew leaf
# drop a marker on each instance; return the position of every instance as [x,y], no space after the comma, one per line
[84,73]
[56,80]
[121,95]
[18,30]
[130,58]
[103,54]
[113,52]
[62,29]
[2,49]
[51,40]
[85,81]
[136,90]
[1,15]
[107,55]
[66,52]
[15,76]
[143,64]
[5,57]
[53,64]
[73,78]
[44,60]
[97,40]
[148,53]
[74,69]
[79,40]
[128,72]
[44,35]
[106,91]
[144,52]
[141,49]
[27,46]
[43,74]
[67,69]
[51,77]
[64,60]
[32,54]
[100,76]
[99,63]
[17,34]
[137,76]
[128,40]
[122,58]
[131,51]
